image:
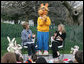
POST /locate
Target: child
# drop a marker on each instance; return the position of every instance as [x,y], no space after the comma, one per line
[29,61]
[26,36]
[79,57]
[41,60]
[32,60]
[19,59]
[9,57]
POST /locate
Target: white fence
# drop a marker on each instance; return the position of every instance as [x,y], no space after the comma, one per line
[31,22]
[9,22]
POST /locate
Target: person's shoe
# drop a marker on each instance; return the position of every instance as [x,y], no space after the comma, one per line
[45,52]
[58,53]
[39,53]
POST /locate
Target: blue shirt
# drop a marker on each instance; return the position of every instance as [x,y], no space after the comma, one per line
[24,36]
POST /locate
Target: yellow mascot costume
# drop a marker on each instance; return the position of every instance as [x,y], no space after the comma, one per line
[43,24]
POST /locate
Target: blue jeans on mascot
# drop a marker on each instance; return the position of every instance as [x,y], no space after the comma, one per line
[42,40]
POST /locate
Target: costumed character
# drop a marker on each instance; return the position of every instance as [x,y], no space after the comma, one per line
[43,24]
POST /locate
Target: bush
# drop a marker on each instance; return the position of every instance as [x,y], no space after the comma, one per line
[13,30]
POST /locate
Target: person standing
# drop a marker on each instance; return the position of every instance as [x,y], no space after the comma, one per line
[43,24]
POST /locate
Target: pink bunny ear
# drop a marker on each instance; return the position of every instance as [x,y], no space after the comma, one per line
[42,5]
[46,4]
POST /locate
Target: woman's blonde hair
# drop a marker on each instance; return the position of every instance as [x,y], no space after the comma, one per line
[63,28]
[25,24]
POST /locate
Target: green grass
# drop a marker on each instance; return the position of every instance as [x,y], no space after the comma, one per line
[15,31]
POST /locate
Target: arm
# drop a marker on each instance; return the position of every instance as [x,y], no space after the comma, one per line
[62,38]
[48,21]
[55,35]
[23,36]
[40,21]
[31,33]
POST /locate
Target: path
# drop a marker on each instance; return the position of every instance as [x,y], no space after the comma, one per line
[69,56]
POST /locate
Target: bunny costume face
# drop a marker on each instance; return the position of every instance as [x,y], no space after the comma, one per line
[43,10]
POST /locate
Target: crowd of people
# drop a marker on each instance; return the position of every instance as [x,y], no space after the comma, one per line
[14,58]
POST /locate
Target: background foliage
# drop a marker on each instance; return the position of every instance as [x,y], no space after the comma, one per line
[74,36]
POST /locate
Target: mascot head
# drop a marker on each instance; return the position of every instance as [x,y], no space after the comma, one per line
[43,10]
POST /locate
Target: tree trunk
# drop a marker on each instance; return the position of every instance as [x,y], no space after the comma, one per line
[16,21]
[74,14]
[26,18]
[16,17]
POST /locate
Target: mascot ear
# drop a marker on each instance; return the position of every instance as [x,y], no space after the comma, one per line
[46,4]
[42,5]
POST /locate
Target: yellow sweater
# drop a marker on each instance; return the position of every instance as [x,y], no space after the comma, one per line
[43,26]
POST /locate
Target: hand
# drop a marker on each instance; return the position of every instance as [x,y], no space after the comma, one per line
[29,35]
[33,35]
[60,38]
[55,34]
[44,18]
[53,37]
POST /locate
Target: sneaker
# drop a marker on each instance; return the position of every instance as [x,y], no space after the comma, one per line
[45,53]
[58,53]
[39,53]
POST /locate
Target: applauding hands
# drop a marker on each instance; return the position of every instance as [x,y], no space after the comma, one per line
[29,36]
[32,36]
[44,18]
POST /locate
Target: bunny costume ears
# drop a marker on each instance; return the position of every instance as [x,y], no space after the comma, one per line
[42,6]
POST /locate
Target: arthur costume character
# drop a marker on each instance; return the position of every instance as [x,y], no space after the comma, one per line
[43,24]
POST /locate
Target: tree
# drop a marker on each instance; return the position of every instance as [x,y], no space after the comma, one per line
[12,12]
[59,12]
[74,14]
[16,9]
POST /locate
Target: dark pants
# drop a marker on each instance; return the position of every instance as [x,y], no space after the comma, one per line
[31,49]
[55,48]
